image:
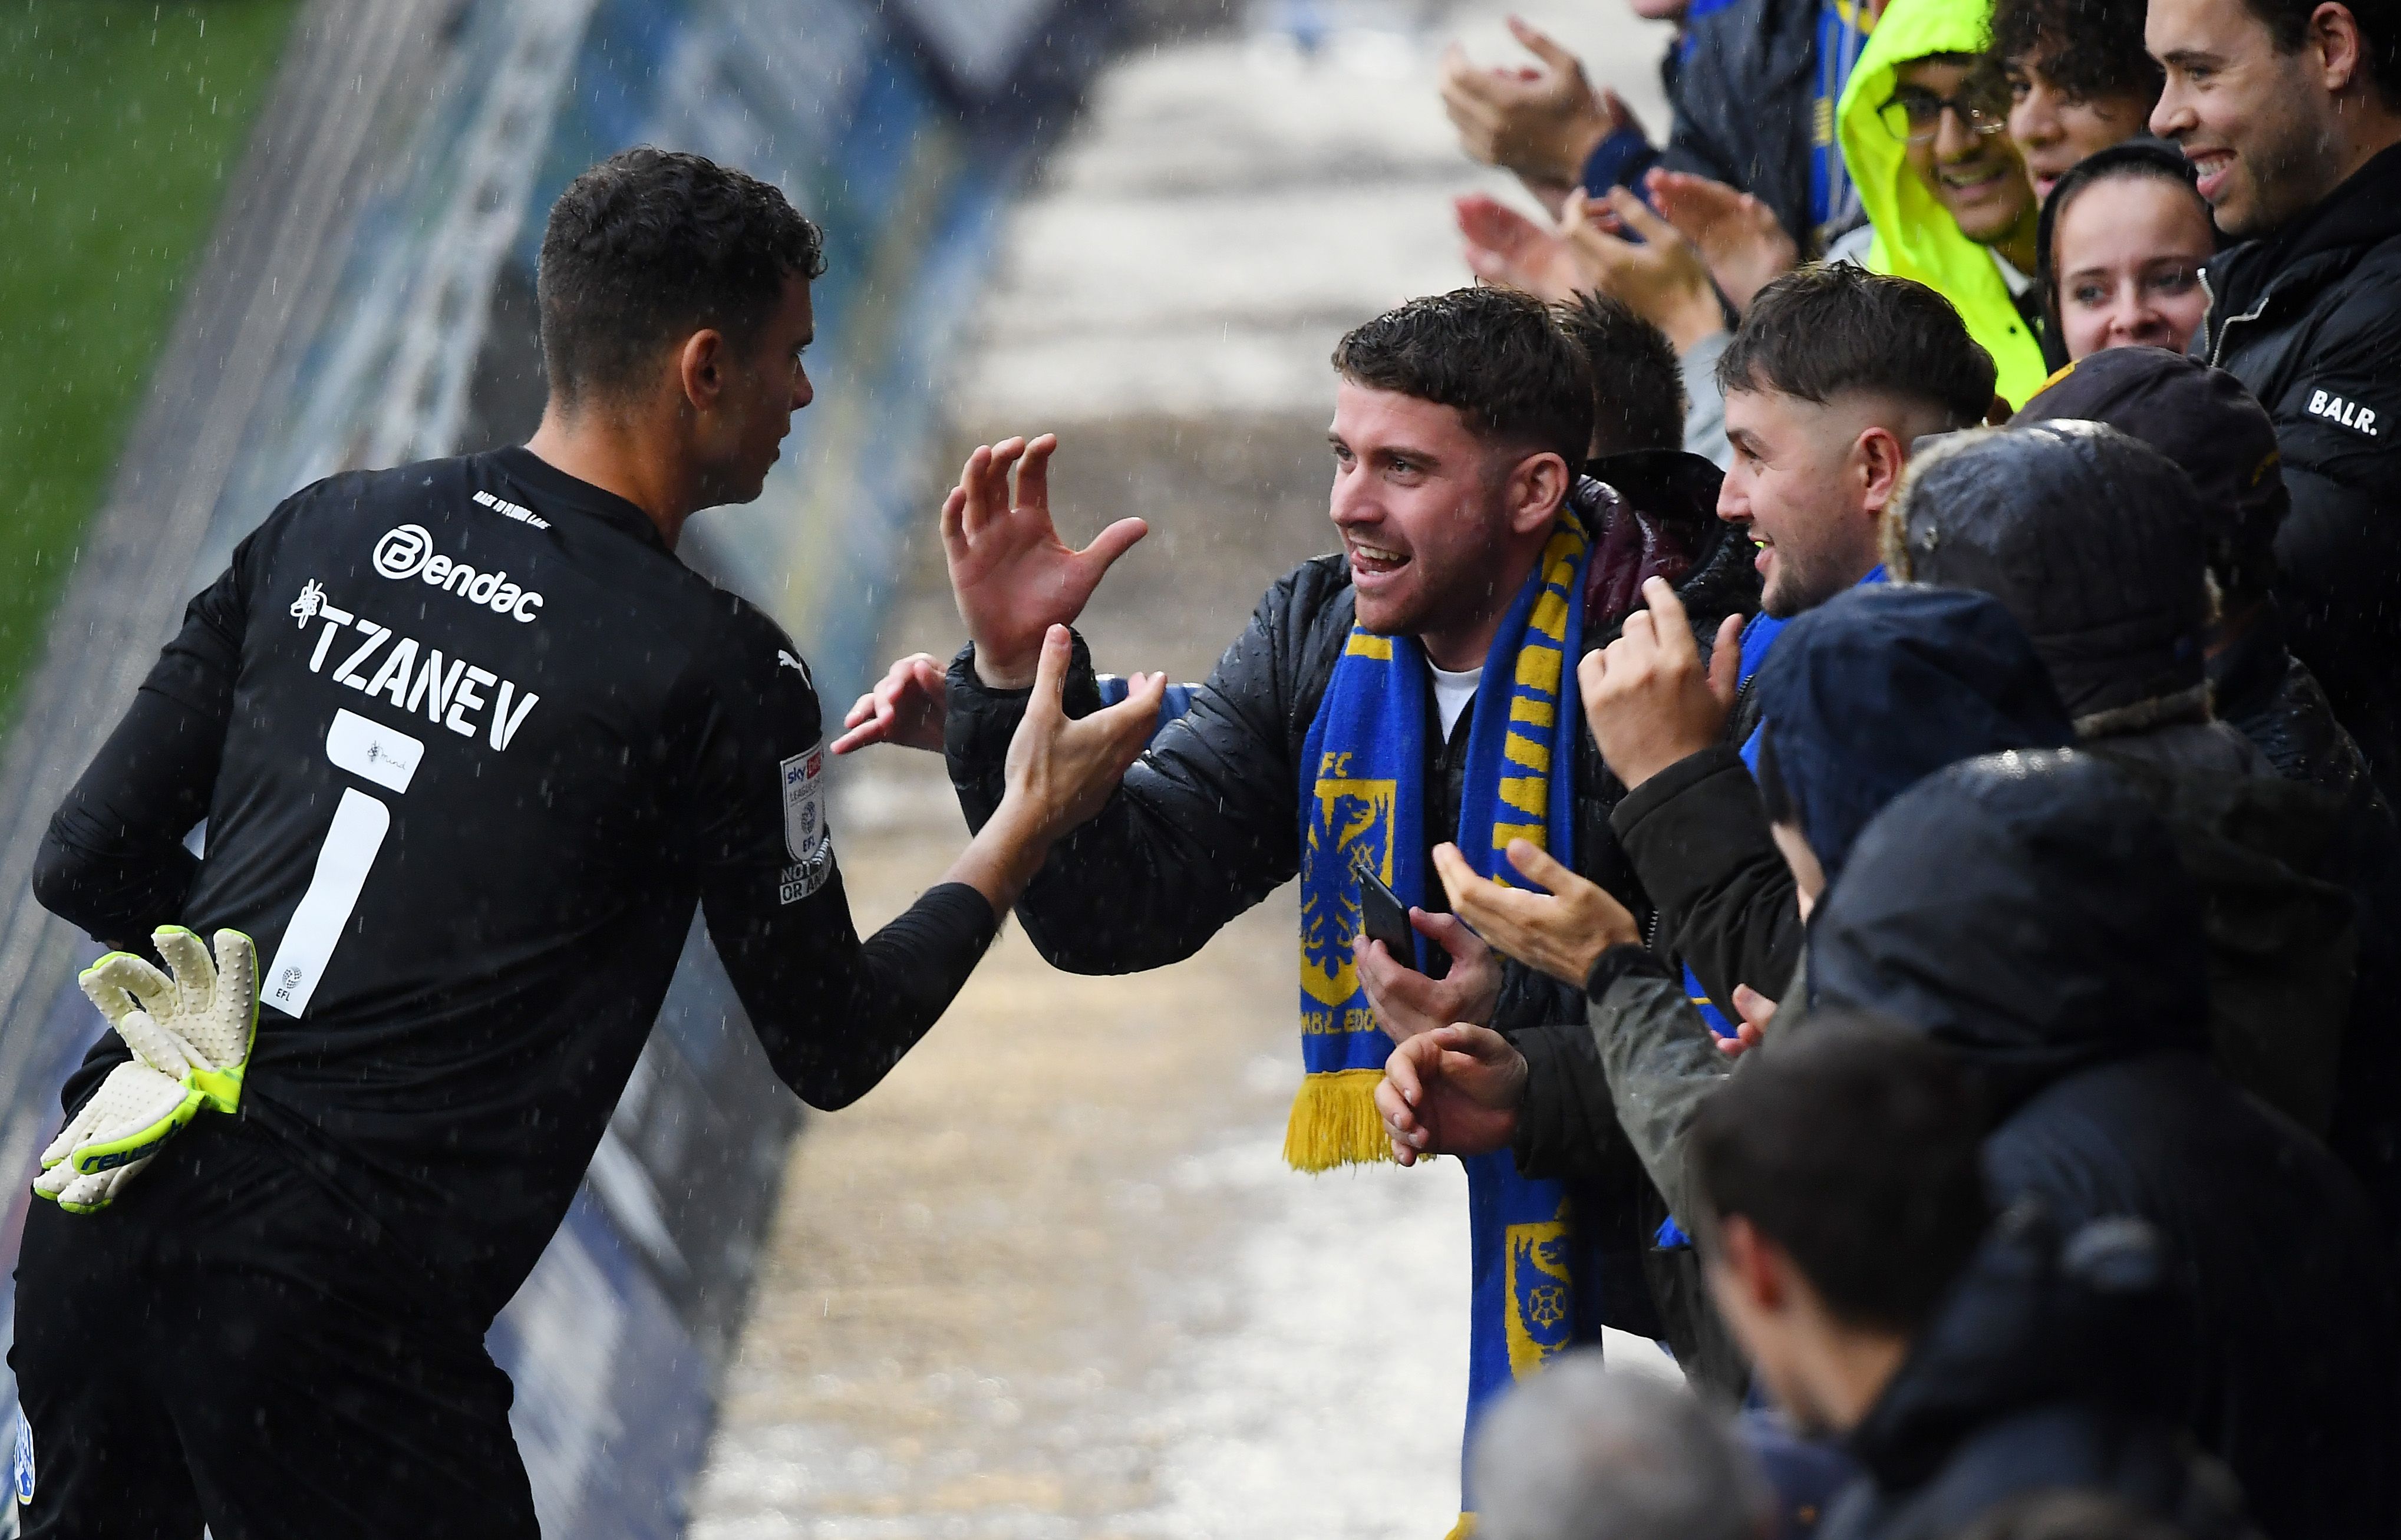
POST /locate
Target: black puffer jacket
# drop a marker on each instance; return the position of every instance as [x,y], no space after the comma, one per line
[1206,824]
[2257,687]
[2310,320]
[2043,1369]
[2028,912]
[2117,607]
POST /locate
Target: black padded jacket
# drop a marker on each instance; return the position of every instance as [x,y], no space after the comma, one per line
[2310,320]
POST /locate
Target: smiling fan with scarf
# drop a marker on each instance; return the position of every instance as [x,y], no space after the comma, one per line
[1363,801]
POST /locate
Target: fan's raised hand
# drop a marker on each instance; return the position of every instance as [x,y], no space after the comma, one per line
[1012,576]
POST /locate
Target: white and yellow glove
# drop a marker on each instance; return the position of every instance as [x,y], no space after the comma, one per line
[191,1037]
[133,1113]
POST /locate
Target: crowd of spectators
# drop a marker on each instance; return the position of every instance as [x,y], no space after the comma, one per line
[2058,817]
[1934,985]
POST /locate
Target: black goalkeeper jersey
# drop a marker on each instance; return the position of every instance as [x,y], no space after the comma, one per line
[471,743]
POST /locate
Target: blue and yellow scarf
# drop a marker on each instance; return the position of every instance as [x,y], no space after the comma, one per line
[1362,797]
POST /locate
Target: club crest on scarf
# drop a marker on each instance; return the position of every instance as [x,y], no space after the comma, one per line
[1349,820]
[1541,1298]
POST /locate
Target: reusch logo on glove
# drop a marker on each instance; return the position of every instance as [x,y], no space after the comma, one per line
[406,551]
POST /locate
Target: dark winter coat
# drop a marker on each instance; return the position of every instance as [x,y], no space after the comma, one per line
[2272,696]
[2119,608]
[1743,101]
[1879,687]
[1206,824]
[1863,696]
[2258,688]
[2310,319]
[2043,1368]
[2028,912]
[1695,833]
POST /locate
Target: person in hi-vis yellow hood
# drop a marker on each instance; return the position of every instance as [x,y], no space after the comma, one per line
[1924,127]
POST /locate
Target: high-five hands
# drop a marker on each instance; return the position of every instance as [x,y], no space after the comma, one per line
[1407,1002]
[1561,935]
[1059,769]
[906,707]
[1011,574]
[1452,1091]
[1649,698]
[1058,772]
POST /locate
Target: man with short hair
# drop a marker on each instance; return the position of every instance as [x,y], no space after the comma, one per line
[1638,386]
[1833,374]
[2291,112]
[472,745]
[1405,693]
[1842,1216]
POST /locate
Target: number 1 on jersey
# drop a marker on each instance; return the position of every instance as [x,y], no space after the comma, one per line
[360,821]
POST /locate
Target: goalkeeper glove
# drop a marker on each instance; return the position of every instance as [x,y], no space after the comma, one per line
[133,1112]
[191,1038]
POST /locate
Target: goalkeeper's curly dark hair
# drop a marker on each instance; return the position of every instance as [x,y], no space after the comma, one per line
[2086,48]
[650,245]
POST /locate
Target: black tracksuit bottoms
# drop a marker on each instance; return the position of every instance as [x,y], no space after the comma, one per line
[230,1344]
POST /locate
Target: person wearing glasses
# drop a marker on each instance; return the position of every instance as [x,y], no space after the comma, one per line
[1924,124]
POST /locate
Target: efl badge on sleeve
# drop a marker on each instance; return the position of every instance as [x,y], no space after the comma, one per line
[806,839]
[20,1473]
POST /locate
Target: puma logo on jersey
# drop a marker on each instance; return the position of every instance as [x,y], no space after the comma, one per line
[449,691]
[2350,414]
[518,511]
[406,551]
[786,660]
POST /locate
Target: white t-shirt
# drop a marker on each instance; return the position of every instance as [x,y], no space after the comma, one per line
[1451,694]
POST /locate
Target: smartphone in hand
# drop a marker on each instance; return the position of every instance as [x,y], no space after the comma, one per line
[1384,918]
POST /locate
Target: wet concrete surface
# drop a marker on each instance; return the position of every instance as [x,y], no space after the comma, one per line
[1052,1278]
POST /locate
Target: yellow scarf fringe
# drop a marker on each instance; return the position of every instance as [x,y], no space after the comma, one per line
[1335,1122]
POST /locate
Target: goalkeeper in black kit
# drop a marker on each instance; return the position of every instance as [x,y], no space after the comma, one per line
[471,744]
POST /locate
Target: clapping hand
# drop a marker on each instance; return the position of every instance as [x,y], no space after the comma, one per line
[1504,247]
[1663,276]
[1562,934]
[1541,122]
[1011,574]
[1739,237]
[1453,1091]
